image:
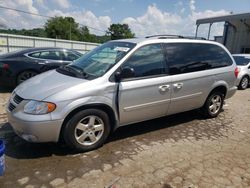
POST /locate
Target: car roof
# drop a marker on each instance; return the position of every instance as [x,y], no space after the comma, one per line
[29,50]
[242,55]
[43,48]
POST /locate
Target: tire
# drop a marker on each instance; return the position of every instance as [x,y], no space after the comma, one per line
[25,75]
[87,130]
[213,105]
[244,83]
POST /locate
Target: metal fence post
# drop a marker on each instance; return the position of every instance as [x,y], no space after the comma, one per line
[8,46]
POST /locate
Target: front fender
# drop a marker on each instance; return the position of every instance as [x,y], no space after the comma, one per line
[64,108]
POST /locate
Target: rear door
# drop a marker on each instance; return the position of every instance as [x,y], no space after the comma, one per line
[194,68]
[147,94]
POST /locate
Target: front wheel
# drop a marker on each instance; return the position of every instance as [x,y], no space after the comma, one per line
[213,105]
[87,130]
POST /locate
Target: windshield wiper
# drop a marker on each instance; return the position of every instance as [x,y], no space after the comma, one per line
[75,70]
[82,72]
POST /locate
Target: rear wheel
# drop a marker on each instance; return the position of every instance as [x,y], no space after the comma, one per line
[25,75]
[244,83]
[87,130]
[213,104]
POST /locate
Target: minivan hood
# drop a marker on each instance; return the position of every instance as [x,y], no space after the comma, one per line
[46,84]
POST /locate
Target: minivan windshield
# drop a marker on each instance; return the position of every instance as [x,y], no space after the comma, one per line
[98,61]
[241,60]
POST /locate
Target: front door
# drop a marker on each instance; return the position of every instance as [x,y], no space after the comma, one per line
[147,94]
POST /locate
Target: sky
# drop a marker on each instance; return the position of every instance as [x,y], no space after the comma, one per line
[144,17]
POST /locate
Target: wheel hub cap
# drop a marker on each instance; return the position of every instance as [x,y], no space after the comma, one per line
[244,83]
[89,130]
[215,104]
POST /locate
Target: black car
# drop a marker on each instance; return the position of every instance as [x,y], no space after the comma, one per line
[16,67]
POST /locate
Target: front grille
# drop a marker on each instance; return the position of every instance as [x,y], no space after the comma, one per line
[14,101]
[11,107]
[17,99]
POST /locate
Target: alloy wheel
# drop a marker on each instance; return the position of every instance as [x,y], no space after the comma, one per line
[215,104]
[244,83]
[89,130]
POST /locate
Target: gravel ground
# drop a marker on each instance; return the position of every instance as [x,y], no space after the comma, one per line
[182,150]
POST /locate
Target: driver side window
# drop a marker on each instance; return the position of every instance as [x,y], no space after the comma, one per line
[147,61]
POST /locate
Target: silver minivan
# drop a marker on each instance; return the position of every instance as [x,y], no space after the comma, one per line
[119,83]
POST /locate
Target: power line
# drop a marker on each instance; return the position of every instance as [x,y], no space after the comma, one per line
[22,11]
[35,14]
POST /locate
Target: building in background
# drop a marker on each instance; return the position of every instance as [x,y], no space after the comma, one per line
[236,35]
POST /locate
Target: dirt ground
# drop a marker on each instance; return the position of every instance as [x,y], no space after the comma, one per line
[182,150]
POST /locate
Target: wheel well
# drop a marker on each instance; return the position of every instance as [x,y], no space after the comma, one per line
[33,70]
[102,107]
[246,76]
[221,89]
[24,71]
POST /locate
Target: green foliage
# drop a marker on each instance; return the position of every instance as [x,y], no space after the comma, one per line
[67,28]
[62,28]
[120,31]
[37,32]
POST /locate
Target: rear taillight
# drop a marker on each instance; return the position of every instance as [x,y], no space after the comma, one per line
[6,66]
[236,72]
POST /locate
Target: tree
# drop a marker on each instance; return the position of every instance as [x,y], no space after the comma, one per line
[62,28]
[120,31]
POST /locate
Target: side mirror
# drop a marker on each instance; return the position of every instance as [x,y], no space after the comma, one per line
[125,72]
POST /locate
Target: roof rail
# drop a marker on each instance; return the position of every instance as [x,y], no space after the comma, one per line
[169,36]
[174,36]
[191,37]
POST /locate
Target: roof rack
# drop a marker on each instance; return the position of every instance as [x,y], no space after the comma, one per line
[174,36]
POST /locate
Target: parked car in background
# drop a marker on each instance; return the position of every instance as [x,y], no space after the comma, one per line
[18,66]
[243,63]
[119,83]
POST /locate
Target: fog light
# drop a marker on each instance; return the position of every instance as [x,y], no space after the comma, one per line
[29,138]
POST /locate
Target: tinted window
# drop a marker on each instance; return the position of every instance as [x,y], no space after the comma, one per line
[69,56]
[147,61]
[241,60]
[53,55]
[36,54]
[188,57]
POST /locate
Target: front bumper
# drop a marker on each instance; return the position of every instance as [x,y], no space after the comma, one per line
[35,131]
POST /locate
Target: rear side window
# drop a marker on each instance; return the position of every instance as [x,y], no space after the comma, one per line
[50,55]
[69,56]
[241,60]
[53,55]
[36,55]
[148,60]
[191,57]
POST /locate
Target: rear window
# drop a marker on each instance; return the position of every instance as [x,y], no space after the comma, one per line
[241,60]
[191,57]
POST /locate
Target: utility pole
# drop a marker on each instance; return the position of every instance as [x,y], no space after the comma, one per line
[69,31]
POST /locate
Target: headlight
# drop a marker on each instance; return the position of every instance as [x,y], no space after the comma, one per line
[39,107]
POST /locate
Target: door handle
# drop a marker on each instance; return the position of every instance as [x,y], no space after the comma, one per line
[164,88]
[178,85]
